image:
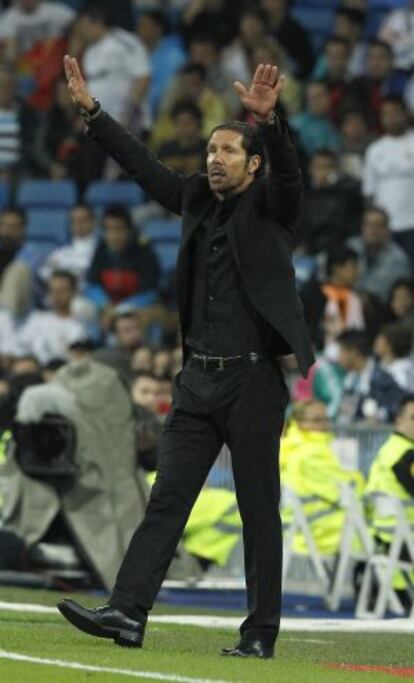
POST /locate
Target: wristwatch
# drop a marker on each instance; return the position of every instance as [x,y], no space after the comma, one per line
[89,115]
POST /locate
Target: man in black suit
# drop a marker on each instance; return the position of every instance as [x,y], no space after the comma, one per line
[239,310]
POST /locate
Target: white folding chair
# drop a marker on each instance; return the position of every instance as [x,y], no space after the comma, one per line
[381,568]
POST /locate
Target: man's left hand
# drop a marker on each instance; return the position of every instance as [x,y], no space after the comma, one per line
[263,93]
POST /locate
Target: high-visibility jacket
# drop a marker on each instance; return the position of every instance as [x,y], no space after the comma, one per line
[382,480]
[213,528]
[311,469]
[4,440]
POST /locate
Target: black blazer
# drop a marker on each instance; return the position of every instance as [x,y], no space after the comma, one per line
[261,232]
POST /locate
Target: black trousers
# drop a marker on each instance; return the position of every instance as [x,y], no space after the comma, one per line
[242,406]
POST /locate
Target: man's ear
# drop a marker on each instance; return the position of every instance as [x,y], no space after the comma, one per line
[254,164]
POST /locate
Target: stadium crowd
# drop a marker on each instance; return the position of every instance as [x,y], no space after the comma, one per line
[87,261]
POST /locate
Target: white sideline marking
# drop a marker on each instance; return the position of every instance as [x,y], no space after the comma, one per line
[155,675]
[288,624]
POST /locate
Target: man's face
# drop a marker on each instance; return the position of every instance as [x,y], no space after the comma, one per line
[405,422]
[193,85]
[12,229]
[317,99]
[149,30]
[228,167]
[347,29]
[374,228]
[60,293]
[117,234]
[203,52]
[314,418]
[145,393]
[128,332]
[29,5]
[187,127]
[251,29]
[354,128]
[142,359]
[323,170]
[379,62]
[24,366]
[82,222]
[402,302]
[346,358]
[337,60]
[346,274]
[393,118]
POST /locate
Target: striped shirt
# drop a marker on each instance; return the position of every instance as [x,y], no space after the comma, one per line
[10,133]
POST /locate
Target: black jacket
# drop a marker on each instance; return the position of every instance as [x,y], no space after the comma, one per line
[261,232]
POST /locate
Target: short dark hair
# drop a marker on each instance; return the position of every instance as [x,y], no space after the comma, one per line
[377,209]
[252,140]
[402,282]
[396,101]
[327,153]
[158,17]
[204,37]
[66,275]
[81,205]
[195,68]
[16,211]
[355,16]
[337,256]
[120,212]
[400,339]
[100,13]
[355,340]
[376,42]
[187,107]
[252,11]
[353,111]
[408,398]
[338,40]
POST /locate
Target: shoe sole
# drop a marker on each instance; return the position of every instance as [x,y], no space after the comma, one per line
[242,655]
[81,621]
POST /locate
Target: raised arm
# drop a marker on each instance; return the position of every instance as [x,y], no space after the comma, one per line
[160,182]
[284,183]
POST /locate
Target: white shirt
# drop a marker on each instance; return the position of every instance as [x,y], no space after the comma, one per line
[111,67]
[49,20]
[75,258]
[46,335]
[6,332]
[389,178]
[398,31]
[402,370]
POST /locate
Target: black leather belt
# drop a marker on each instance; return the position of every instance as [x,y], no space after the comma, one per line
[223,362]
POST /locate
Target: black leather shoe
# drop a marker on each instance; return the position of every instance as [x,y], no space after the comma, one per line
[249,647]
[104,622]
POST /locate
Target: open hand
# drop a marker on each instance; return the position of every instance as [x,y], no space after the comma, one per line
[76,84]
[264,91]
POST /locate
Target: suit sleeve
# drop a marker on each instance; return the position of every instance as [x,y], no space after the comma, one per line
[160,182]
[284,182]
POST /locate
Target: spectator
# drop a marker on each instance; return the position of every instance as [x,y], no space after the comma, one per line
[47,334]
[251,34]
[389,172]
[162,363]
[401,303]
[314,127]
[186,151]
[355,138]
[145,392]
[164,394]
[334,71]
[75,257]
[15,274]
[18,124]
[381,261]
[394,346]
[6,336]
[190,84]
[142,359]
[398,30]
[30,21]
[204,49]
[380,81]
[291,35]
[211,17]
[369,391]
[333,306]
[332,205]
[349,24]
[271,52]
[124,268]
[127,331]
[165,51]
[61,142]
[117,69]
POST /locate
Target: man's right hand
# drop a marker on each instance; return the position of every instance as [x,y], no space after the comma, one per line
[76,84]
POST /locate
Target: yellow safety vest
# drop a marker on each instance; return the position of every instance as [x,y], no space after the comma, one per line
[213,528]
[4,440]
[382,480]
[311,469]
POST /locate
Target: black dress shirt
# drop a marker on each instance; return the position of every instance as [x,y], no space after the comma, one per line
[222,321]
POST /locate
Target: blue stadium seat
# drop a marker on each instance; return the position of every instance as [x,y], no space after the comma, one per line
[4,194]
[48,225]
[35,252]
[102,193]
[162,229]
[47,194]
[317,20]
[167,255]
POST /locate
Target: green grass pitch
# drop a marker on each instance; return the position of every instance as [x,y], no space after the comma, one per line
[188,654]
